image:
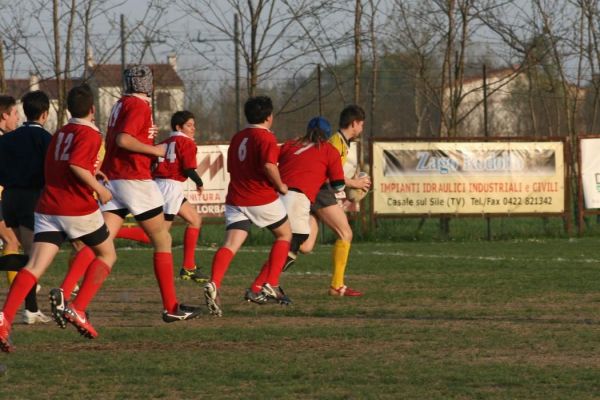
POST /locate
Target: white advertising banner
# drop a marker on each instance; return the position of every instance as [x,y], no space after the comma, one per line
[212,168]
[468,177]
[590,172]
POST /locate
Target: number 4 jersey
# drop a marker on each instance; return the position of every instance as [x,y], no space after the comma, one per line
[181,155]
[249,151]
[76,143]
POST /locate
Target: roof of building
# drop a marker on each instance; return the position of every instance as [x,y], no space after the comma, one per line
[110,75]
[18,87]
[501,72]
[104,75]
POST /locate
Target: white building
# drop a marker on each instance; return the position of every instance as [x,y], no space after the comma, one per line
[106,81]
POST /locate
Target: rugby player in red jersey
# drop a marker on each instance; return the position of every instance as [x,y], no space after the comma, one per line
[67,209]
[252,199]
[130,151]
[304,164]
[179,164]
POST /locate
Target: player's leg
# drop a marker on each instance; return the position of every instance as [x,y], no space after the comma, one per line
[153,223]
[190,270]
[25,236]
[42,254]
[31,311]
[11,246]
[235,236]
[274,217]
[308,245]
[335,218]
[80,259]
[134,233]
[79,265]
[97,272]
[31,314]
[145,201]
[297,206]
[277,257]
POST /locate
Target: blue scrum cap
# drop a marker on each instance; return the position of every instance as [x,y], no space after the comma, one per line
[321,124]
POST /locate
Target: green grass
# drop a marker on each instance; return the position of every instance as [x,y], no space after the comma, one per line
[514,319]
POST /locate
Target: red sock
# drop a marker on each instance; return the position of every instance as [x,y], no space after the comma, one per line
[189,247]
[22,284]
[277,258]
[77,268]
[94,277]
[163,270]
[133,233]
[220,263]
[262,277]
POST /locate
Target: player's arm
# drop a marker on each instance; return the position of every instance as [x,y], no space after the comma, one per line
[269,155]
[128,142]
[193,175]
[272,173]
[85,176]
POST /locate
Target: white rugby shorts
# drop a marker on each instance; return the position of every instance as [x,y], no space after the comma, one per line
[172,193]
[297,206]
[261,216]
[73,226]
[135,195]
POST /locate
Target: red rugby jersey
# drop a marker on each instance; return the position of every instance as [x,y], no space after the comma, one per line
[131,115]
[76,143]
[181,155]
[307,166]
[249,151]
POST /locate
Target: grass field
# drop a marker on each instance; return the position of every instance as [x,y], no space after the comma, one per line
[512,319]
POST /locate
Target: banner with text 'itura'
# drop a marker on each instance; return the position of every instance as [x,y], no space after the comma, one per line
[468,177]
[212,168]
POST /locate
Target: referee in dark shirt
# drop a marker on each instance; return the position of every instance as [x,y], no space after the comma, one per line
[22,154]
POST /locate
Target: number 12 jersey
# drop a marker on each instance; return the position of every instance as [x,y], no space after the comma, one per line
[76,143]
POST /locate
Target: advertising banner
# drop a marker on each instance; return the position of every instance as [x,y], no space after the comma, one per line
[212,168]
[590,172]
[468,177]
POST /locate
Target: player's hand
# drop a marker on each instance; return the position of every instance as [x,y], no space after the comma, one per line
[152,132]
[200,190]
[362,182]
[283,188]
[161,150]
[104,195]
[101,176]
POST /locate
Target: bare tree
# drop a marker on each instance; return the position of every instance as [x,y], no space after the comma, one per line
[270,38]
[357,49]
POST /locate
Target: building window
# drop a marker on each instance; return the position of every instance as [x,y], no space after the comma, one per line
[163,101]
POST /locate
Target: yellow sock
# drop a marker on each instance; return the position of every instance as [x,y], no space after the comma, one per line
[341,250]
[10,275]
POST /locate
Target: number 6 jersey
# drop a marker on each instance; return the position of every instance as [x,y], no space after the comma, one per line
[249,151]
[76,143]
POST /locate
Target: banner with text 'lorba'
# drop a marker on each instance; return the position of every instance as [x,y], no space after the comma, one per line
[212,168]
[468,177]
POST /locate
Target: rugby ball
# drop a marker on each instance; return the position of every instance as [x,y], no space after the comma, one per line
[356,195]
